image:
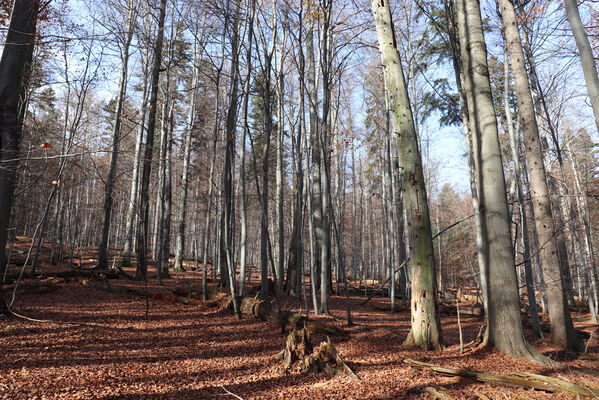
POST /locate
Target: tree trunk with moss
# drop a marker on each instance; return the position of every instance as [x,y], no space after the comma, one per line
[426,326]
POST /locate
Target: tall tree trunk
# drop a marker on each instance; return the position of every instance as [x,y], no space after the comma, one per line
[191,117]
[280,92]
[116,141]
[562,328]
[426,326]
[231,122]
[514,146]
[133,194]
[244,133]
[165,194]
[15,70]
[210,191]
[589,66]
[323,147]
[504,330]
[142,241]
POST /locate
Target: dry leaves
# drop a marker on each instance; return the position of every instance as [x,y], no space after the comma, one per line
[189,351]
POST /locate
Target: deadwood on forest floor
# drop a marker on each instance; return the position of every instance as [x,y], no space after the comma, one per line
[298,349]
[521,379]
[286,319]
[438,394]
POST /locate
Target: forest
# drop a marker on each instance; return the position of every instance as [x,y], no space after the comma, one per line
[299,199]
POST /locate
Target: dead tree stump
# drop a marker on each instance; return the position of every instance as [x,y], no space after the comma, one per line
[298,349]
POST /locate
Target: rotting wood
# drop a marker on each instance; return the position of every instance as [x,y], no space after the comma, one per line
[143,293]
[298,350]
[523,380]
[438,394]
[473,311]
[286,319]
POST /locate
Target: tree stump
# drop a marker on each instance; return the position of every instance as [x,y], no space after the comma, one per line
[298,349]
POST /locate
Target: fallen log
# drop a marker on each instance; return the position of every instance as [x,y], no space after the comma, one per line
[526,380]
[285,319]
[473,311]
[142,293]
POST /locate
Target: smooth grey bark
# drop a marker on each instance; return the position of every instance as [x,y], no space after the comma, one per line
[323,148]
[191,117]
[591,270]
[280,92]
[504,330]
[15,70]
[116,141]
[474,184]
[562,328]
[211,186]
[517,182]
[244,133]
[315,181]
[134,190]
[142,233]
[165,195]
[589,66]
[426,326]
[230,128]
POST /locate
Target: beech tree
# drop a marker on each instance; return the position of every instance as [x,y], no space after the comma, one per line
[504,329]
[426,326]
[15,71]
[562,329]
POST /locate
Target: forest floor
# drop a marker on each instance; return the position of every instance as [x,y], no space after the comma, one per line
[105,345]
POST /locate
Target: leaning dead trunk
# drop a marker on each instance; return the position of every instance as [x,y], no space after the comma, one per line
[426,327]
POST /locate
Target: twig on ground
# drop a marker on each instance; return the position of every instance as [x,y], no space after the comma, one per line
[232,394]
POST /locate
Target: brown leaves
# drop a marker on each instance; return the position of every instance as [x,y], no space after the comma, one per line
[186,351]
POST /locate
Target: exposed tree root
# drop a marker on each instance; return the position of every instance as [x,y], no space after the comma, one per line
[521,379]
